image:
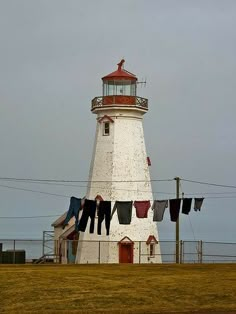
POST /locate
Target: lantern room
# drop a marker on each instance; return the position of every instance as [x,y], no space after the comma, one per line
[119,90]
[120,82]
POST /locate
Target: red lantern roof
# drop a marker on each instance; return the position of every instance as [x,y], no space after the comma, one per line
[120,74]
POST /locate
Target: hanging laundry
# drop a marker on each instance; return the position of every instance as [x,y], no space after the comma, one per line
[186,205]
[174,208]
[104,210]
[124,211]
[89,210]
[198,203]
[73,211]
[142,208]
[159,207]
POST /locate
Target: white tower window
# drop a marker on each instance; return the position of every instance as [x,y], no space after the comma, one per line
[151,246]
[106,128]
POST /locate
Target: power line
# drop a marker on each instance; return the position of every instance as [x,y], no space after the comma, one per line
[215,197]
[29,217]
[46,183]
[212,184]
[160,192]
[73,185]
[61,195]
[60,182]
[80,186]
[209,193]
[103,188]
[203,194]
[106,181]
[33,191]
[86,186]
[57,182]
[81,181]
[191,228]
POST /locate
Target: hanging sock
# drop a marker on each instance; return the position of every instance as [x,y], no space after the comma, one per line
[198,203]
[186,206]
[74,208]
[104,211]
[159,207]
[142,208]
[174,208]
[124,211]
[89,210]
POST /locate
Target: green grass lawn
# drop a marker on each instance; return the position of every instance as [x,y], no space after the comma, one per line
[123,288]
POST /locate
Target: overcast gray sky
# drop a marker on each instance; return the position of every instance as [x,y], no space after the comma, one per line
[52,57]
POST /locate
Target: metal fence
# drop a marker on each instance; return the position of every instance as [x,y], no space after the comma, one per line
[64,251]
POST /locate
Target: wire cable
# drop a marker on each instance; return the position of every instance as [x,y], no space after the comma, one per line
[80,181]
[29,217]
[191,226]
[68,196]
[117,181]
[154,192]
[33,191]
[212,184]
[85,186]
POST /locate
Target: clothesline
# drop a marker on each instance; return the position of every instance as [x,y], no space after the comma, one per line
[89,209]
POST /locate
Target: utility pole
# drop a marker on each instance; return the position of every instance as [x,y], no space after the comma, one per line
[177,179]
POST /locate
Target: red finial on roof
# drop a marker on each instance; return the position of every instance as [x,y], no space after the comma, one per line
[120,73]
[120,64]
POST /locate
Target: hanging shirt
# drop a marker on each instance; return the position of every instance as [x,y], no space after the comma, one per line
[73,211]
[142,208]
[198,203]
[159,207]
[89,210]
[124,211]
[104,211]
[186,206]
[174,208]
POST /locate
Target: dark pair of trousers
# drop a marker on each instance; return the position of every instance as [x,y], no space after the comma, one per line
[75,207]
[104,211]
[174,208]
[186,207]
[88,211]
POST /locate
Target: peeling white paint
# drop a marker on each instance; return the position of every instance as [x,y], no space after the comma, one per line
[117,158]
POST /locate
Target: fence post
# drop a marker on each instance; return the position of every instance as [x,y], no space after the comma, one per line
[14,251]
[139,249]
[99,252]
[43,252]
[181,251]
[200,251]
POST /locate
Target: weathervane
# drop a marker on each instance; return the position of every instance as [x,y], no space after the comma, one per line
[143,82]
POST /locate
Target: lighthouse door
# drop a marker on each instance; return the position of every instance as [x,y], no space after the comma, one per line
[126,253]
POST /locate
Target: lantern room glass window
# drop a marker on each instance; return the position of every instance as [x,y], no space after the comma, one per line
[124,87]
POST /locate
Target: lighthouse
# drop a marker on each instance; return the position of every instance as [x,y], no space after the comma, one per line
[119,171]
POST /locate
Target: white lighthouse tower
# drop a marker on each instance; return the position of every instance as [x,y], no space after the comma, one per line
[120,172]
